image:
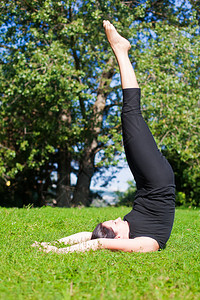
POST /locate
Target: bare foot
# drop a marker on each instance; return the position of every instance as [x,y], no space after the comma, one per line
[117,42]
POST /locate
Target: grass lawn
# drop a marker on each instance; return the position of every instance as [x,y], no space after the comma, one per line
[26,273]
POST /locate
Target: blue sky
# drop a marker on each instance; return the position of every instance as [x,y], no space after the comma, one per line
[119,183]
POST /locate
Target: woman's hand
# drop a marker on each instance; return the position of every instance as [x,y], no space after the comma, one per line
[81,247]
[46,247]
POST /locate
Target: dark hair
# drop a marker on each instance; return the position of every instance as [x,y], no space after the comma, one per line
[101,231]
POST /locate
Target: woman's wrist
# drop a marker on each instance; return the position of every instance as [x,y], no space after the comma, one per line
[85,246]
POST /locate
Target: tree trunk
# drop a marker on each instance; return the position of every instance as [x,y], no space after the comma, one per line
[63,186]
[86,171]
[86,166]
[64,166]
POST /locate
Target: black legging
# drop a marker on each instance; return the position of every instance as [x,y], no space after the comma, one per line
[149,167]
[154,204]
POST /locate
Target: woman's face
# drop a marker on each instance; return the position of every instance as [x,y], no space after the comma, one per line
[120,227]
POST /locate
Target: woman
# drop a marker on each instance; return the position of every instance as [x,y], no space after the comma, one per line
[148,226]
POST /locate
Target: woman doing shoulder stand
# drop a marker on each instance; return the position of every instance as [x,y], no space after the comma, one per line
[148,226]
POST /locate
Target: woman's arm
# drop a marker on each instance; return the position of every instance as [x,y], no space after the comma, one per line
[81,247]
[69,240]
[76,238]
[140,244]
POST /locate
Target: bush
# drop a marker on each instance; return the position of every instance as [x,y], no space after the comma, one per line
[127,198]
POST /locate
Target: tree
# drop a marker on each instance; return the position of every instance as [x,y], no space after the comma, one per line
[170,73]
[54,112]
[58,109]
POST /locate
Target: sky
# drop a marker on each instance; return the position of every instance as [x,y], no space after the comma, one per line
[117,184]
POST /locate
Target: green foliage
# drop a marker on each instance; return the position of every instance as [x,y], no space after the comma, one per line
[26,273]
[126,198]
[51,72]
[169,75]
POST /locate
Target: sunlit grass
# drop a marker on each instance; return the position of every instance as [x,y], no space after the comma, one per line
[26,273]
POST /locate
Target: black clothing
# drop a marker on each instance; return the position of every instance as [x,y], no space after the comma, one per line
[154,205]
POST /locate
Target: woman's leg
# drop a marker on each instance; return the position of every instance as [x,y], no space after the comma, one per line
[120,47]
[149,167]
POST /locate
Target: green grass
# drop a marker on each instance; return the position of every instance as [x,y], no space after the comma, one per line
[26,273]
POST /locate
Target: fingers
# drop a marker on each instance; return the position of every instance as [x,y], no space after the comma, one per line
[35,244]
[45,247]
[41,246]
